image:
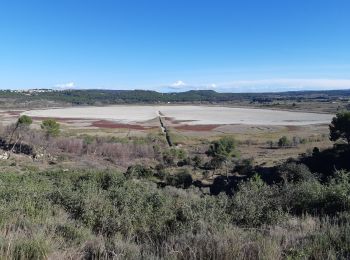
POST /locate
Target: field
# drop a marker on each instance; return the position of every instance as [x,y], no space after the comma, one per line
[191,115]
[192,125]
[139,182]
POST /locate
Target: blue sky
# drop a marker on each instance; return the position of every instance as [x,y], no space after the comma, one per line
[238,46]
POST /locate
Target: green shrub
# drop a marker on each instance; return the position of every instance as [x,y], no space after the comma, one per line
[337,195]
[51,127]
[138,171]
[312,197]
[173,155]
[293,172]
[244,167]
[340,127]
[330,241]
[181,179]
[284,142]
[30,249]
[102,214]
[256,204]
[71,233]
[304,197]
[161,172]
[197,161]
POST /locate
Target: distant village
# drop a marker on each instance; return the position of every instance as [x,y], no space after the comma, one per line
[35,90]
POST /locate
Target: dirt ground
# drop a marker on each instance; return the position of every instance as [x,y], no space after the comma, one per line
[253,139]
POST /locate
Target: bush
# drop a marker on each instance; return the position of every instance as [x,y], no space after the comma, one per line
[337,196]
[103,214]
[293,172]
[160,172]
[30,249]
[197,161]
[304,197]
[222,150]
[173,155]
[256,204]
[181,179]
[244,167]
[284,142]
[138,171]
[340,127]
[24,120]
[311,196]
[330,241]
[51,127]
[71,233]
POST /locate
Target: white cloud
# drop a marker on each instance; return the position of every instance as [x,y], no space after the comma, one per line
[66,85]
[264,85]
[178,84]
[286,84]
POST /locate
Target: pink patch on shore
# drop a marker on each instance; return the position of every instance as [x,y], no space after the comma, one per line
[111,124]
[197,127]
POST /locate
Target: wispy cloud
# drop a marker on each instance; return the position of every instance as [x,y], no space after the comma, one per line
[178,84]
[323,83]
[267,85]
[65,85]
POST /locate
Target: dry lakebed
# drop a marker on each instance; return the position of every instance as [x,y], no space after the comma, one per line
[183,114]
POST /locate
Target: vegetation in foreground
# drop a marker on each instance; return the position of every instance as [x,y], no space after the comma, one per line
[100,215]
[290,213]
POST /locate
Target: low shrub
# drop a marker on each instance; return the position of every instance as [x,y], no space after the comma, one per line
[181,179]
[293,172]
[256,203]
[28,248]
[138,171]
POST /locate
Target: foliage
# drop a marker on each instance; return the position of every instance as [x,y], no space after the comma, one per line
[51,127]
[256,203]
[222,151]
[244,167]
[163,213]
[181,179]
[94,96]
[340,127]
[284,142]
[173,155]
[24,120]
[293,172]
[138,171]
[197,161]
[103,214]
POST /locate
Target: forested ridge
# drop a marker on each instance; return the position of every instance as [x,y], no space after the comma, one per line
[95,97]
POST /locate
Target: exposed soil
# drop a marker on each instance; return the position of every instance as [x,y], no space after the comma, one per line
[198,128]
[192,115]
[292,127]
[111,124]
[59,119]
[14,112]
[177,122]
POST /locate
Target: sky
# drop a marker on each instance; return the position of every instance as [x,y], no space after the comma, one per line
[175,45]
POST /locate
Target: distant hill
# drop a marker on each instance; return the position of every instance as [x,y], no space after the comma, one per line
[101,97]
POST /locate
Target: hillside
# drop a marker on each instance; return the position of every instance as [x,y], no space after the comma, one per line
[44,98]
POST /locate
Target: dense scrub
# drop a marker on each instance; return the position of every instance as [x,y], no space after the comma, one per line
[98,97]
[159,211]
[99,215]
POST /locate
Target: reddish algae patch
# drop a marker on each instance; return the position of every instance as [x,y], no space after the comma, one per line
[197,127]
[111,124]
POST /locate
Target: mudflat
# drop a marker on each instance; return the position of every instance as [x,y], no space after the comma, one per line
[191,115]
